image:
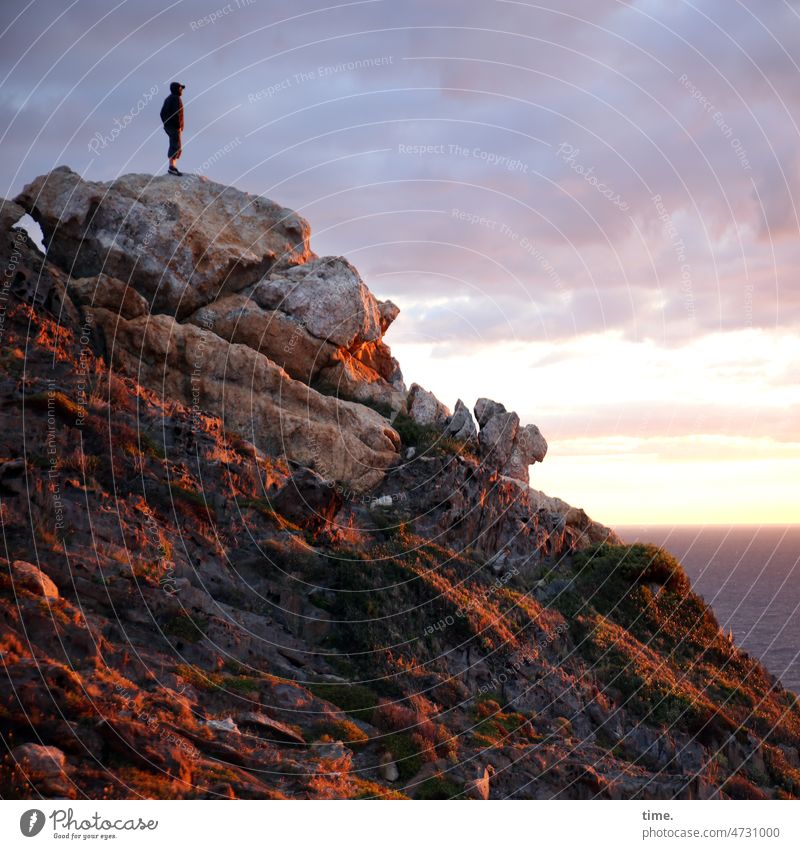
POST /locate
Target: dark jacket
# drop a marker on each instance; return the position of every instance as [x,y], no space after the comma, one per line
[172,112]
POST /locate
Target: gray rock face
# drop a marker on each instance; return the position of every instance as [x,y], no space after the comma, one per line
[180,243]
[425,408]
[327,297]
[461,425]
[504,443]
[485,409]
[10,213]
[321,323]
[286,341]
[529,447]
[497,437]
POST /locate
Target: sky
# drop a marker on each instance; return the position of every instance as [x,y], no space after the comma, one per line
[585,209]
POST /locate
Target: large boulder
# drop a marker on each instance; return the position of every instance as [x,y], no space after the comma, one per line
[485,409]
[328,297]
[239,318]
[352,379]
[180,243]
[341,441]
[497,437]
[321,323]
[33,579]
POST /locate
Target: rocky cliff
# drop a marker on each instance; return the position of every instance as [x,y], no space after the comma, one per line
[241,559]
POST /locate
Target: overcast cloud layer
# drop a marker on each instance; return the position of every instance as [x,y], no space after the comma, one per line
[509,173]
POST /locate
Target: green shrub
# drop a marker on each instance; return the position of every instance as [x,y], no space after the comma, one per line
[614,581]
[427,439]
[194,503]
[202,680]
[186,628]
[438,787]
[642,563]
[189,495]
[239,683]
[354,699]
[406,754]
[150,447]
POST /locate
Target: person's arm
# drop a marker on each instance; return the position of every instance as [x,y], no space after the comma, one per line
[180,115]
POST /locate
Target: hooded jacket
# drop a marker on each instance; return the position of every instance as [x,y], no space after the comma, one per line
[172,110]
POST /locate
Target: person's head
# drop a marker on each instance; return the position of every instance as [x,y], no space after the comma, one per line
[176,88]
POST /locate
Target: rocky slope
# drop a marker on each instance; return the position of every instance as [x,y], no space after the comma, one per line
[242,560]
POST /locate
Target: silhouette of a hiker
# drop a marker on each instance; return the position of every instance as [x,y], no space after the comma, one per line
[172,119]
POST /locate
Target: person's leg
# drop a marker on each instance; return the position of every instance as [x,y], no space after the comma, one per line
[174,153]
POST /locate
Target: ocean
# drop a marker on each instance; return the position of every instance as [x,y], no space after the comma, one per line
[750,575]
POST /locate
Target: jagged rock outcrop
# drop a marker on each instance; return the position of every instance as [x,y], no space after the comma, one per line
[319,322]
[461,425]
[27,278]
[512,528]
[328,297]
[180,243]
[207,250]
[340,440]
[504,443]
[10,214]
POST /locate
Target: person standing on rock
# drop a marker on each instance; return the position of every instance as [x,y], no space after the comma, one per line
[172,119]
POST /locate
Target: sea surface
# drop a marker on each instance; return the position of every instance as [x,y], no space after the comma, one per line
[750,575]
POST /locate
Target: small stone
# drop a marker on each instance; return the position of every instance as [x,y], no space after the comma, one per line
[226,724]
[44,767]
[32,578]
[271,728]
[388,768]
